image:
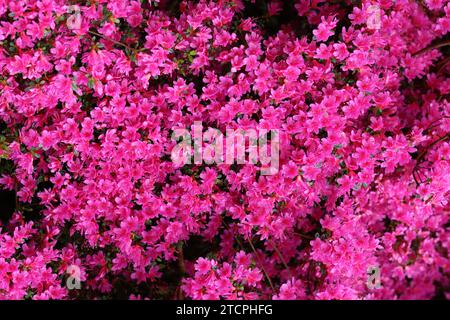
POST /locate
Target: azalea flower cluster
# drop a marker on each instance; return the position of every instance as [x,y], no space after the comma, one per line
[90,93]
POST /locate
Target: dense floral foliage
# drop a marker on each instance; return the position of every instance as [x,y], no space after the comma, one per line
[89,97]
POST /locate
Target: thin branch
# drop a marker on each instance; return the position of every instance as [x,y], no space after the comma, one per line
[256,254]
[181,265]
[431,47]
[260,263]
[110,39]
[304,236]
[281,258]
[422,155]
[441,66]
[182,269]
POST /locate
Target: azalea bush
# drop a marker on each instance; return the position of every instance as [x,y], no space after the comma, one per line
[91,92]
